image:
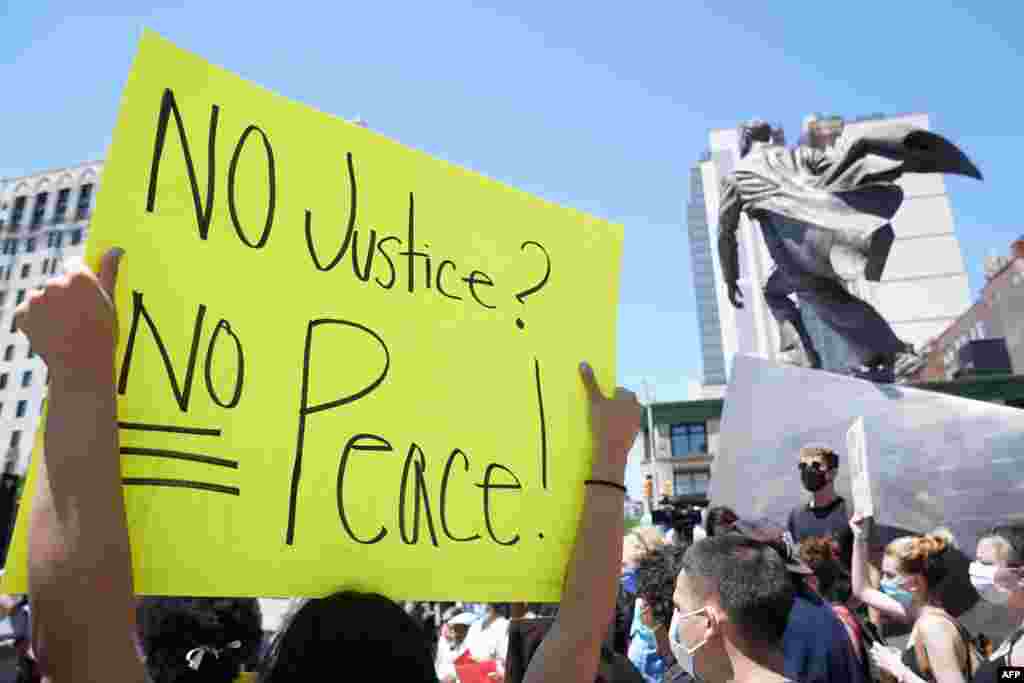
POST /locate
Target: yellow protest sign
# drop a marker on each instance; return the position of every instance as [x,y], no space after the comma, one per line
[342,363]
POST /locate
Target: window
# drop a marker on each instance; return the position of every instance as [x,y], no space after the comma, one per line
[3,297]
[26,379]
[61,209]
[26,270]
[21,409]
[6,272]
[84,201]
[20,297]
[10,246]
[17,212]
[54,239]
[15,438]
[8,355]
[690,483]
[76,236]
[30,245]
[46,265]
[3,381]
[39,210]
[13,324]
[688,439]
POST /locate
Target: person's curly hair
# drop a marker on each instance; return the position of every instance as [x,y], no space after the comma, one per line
[822,555]
[170,628]
[656,574]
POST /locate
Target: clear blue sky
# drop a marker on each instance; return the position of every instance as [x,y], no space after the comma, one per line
[601,109]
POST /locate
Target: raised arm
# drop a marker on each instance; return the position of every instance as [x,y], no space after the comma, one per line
[729,210]
[80,570]
[571,650]
[860,576]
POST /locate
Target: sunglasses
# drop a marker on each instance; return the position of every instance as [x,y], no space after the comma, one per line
[816,466]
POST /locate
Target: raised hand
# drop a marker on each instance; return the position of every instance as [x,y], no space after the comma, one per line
[614,423]
[71,322]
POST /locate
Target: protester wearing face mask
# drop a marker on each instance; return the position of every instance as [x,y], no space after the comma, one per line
[640,642]
[913,569]
[733,599]
[998,575]
[643,644]
[656,574]
[825,514]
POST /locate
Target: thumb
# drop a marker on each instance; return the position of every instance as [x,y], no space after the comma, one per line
[109,266]
[589,382]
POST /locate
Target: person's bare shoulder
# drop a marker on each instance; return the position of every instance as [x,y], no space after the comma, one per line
[935,627]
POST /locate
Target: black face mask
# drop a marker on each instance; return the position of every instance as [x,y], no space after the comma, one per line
[813,480]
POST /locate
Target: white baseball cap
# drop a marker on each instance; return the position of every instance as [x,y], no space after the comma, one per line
[463,619]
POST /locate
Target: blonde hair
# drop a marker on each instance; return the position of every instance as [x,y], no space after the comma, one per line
[640,542]
[923,555]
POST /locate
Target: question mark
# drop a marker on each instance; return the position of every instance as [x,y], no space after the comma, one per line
[521,296]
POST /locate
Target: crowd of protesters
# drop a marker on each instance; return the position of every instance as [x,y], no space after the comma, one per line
[734,601]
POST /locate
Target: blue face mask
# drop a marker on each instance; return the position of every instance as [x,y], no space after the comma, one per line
[895,590]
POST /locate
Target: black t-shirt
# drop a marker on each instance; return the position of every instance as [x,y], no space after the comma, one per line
[831,521]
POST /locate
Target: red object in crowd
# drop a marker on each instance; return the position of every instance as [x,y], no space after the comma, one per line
[470,670]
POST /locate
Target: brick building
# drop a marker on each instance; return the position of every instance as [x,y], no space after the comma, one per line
[997,314]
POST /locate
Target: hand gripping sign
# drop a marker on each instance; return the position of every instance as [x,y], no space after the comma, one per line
[341,362]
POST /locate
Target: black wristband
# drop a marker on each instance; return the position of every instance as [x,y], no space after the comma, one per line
[602,482]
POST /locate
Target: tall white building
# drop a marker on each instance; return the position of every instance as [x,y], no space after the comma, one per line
[44,220]
[924,287]
[703,269]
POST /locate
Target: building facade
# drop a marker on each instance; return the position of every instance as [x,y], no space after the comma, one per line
[925,285]
[44,220]
[678,443]
[997,314]
[702,259]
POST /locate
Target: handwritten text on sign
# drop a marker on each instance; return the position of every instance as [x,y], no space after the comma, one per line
[342,362]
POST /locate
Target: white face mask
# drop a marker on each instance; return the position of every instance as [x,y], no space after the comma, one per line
[983,579]
[683,655]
